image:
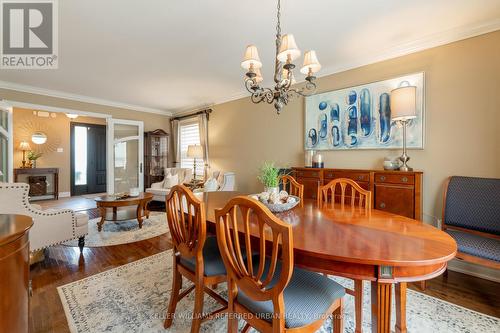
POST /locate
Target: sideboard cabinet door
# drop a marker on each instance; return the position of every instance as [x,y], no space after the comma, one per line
[395,199]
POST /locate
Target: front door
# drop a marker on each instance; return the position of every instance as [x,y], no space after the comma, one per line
[88,158]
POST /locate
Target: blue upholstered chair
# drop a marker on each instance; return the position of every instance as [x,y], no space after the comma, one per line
[195,256]
[471,215]
[268,292]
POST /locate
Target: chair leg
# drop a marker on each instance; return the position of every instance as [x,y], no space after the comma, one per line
[199,294]
[423,285]
[232,322]
[358,304]
[338,318]
[174,297]
[81,243]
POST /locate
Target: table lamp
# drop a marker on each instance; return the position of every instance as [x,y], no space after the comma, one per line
[403,110]
[195,151]
[24,146]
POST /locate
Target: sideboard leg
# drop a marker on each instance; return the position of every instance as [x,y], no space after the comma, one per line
[400,291]
[381,307]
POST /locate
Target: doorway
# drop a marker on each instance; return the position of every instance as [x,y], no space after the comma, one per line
[88,158]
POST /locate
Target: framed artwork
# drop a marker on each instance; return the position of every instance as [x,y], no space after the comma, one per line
[360,117]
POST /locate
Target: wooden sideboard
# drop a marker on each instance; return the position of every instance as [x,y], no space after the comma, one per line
[14,272]
[27,172]
[397,192]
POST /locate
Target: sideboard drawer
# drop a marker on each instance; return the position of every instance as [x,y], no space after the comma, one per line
[395,199]
[394,178]
[307,174]
[356,176]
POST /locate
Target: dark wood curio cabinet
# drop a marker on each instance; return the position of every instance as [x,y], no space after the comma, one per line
[156,150]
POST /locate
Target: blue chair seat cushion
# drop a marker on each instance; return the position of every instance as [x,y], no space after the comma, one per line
[213,264]
[479,246]
[307,297]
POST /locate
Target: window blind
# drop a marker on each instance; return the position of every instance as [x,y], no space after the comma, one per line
[189,134]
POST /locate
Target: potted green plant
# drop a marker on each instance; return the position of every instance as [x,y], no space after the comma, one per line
[32,157]
[269,177]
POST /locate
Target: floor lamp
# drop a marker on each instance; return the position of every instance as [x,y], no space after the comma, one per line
[194,152]
[403,110]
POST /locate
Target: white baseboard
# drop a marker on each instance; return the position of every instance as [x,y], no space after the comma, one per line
[482,272]
[64,194]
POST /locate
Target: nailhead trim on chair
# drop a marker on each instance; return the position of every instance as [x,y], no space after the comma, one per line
[27,205]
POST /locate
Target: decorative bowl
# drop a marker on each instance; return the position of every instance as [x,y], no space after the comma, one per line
[282,207]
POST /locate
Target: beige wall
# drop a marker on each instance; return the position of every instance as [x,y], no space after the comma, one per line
[58,136]
[151,121]
[462,124]
[60,124]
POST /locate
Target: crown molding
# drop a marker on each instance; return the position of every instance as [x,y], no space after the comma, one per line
[424,43]
[79,98]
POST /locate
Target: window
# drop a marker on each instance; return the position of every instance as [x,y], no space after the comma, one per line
[189,134]
[121,155]
[80,155]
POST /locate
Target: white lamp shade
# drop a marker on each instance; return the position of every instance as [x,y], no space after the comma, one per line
[195,151]
[310,63]
[24,146]
[404,103]
[71,115]
[251,58]
[288,48]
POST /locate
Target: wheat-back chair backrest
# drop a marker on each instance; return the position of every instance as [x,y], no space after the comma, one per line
[346,191]
[257,275]
[186,221]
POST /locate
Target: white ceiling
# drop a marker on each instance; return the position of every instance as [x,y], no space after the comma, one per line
[181,55]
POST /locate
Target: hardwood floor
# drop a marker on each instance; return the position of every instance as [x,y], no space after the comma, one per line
[64,264]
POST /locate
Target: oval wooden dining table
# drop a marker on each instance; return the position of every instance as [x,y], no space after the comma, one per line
[371,245]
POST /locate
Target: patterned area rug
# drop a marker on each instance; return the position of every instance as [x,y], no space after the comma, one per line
[123,232]
[134,297]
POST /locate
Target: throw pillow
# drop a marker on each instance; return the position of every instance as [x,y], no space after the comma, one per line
[170,181]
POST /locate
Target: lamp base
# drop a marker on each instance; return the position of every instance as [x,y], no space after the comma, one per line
[405,168]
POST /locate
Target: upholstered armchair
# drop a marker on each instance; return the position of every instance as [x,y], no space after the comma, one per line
[225,182]
[161,189]
[50,227]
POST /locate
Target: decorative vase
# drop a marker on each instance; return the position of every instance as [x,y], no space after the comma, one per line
[272,190]
[308,158]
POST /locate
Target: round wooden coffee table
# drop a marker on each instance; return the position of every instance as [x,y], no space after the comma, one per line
[110,201]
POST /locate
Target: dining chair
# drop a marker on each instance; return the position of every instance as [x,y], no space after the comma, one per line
[195,256]
[353,194]
[350,192]
[266,290]
[292,186]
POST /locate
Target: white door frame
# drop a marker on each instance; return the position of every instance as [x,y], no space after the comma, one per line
[110,162]
[10,140]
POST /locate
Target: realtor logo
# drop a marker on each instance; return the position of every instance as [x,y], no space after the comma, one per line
[29,34]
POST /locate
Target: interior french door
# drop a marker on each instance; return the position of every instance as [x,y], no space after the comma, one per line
[125,140]
[6,144]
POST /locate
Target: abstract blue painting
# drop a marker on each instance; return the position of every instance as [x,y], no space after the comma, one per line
[360,117]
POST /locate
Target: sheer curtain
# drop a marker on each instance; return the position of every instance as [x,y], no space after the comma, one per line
[203,128]
[175,143]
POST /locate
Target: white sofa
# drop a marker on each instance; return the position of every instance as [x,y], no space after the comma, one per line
[160,192]
[50,227]
[224,182]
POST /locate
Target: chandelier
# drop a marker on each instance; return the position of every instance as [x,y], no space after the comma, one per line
[286,52]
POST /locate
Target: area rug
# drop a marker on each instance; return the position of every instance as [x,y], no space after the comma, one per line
[134,297]
[123,232]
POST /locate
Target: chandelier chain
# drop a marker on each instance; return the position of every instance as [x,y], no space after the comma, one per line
[278,25]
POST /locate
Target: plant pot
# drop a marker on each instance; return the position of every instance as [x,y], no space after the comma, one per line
[272,190]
